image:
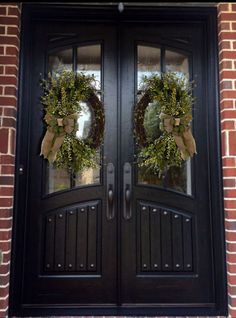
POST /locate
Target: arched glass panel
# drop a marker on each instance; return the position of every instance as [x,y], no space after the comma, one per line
[59,61]
[88,62]
[176,62]
[149,62]
[178,179]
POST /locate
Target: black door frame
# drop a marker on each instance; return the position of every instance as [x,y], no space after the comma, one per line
[62,12]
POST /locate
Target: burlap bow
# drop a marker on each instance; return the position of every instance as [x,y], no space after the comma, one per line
[53,140]
[184,140]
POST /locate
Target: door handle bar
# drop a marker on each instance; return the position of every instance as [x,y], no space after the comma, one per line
[110,211]
[127,180]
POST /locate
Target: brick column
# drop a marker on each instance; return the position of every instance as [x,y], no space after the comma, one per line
[9,48]
[227,60]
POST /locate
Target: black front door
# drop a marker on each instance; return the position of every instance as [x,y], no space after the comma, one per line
[155,246]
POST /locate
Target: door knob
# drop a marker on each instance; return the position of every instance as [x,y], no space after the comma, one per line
[110,212]
[110,196]
[127,194]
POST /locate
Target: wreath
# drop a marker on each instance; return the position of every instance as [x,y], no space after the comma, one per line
[163,133]
[63,99]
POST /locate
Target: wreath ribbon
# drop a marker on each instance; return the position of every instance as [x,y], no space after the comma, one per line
[53,140]
[184,140]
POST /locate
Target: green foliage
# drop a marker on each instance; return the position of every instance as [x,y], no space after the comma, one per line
[63,93]
[172,92]
[151,121]
[160,155]
[75,154]
[63,96]
[171,95]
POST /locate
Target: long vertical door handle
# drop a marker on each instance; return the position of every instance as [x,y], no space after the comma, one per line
[127,183]
[110,191]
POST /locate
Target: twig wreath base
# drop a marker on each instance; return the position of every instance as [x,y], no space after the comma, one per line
[175,143]
[62,100]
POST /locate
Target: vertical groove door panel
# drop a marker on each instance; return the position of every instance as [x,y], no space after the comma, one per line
[82,238]
[92,238]
[71,240]
[177,241]
[145,238]
[187,238]
[155,238]
[164,239]
[73,237]
[60,241]
[49,242]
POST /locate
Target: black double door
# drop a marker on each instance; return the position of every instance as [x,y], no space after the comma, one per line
[117,240]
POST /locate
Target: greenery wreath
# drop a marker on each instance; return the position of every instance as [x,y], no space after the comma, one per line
[63,99]
[172,143]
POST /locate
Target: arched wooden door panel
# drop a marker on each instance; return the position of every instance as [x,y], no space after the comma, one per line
[68,237]
[168,233]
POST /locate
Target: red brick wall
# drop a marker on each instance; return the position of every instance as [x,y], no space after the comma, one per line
[227,60]
[9,48]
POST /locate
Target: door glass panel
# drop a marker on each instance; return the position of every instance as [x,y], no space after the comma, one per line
[149,62]
[90,175]
[89,63]
[178,179]
[176,62]
[84,121]
[60,61]
[58,179]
